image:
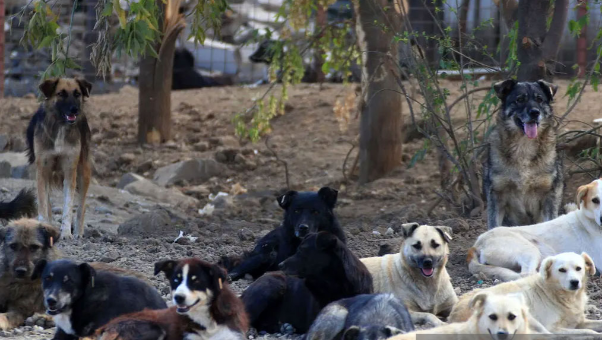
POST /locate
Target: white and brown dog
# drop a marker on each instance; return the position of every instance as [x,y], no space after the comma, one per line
[417,275]
[556,296]
[508,253]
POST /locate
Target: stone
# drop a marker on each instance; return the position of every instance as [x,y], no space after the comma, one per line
[144,166]
[3,142]
[198,191]
[129,178]
[24,172]
[127,158]
[172,196]
[201,146]
[196,170]
[226,155]
[5,169]
[158,222]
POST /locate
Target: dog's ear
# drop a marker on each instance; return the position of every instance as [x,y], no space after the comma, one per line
[548,88]
[545,268]
[503,88]
[445,233]
[581,192]
[219,276]
[409,228]
[285,200]
[478,301]
[589,264]
[167,267]
[50,234]
[38,269]
[4,232]
[326,240]
[48,86]
[352,333]
[329,196]
[84,86]
[88,274]
[391,331]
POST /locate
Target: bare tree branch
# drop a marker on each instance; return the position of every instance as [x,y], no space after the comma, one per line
[551,44]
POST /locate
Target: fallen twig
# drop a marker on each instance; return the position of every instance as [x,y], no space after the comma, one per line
[288,185]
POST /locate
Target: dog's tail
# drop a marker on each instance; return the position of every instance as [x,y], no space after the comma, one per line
[570,207]
[24,205]
[489,271]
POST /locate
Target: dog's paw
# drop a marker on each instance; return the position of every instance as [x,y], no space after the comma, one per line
[287,329]
[4,323]
[66,235]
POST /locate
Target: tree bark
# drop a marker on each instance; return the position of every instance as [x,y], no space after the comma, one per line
[381,116]
[155,80]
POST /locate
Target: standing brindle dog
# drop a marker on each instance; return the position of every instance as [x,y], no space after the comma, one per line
[58,138]
[522,176]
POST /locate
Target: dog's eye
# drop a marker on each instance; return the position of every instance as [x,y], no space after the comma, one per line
[14,246]
[34,248]
[538,99]
[417,246]
[176,280]
[596,200]
[62,94]
[493,317]
[434,244]
[297,211]
[315,212]
[511,316]
[578,269]
[562,270]
[48,278]
[76,94]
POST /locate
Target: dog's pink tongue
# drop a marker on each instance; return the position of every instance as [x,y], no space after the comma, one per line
[427,272]
[531,130]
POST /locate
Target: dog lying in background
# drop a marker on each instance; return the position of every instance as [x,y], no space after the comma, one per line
[58,140]
[205,308]
[304,213]
[522,176]
[577,231]
[368,316]
[81,299]
[556,297]
[24,205]
[417,274]
[497,317]
[322,270]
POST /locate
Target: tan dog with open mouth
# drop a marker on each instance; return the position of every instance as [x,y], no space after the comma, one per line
[58,140]
[417,275]
[497,317]
[556,296]
[508,253]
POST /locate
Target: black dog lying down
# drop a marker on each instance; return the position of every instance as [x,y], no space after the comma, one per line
[304,213]
[81,299]
[185,76]
[362,317]
[322,270]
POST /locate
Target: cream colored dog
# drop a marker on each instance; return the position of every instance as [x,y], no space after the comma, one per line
[556,296]
[417,274]
[495,317]
[507,253]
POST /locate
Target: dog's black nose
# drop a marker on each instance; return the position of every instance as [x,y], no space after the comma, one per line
[534,113]
[51,302]
[303,228]
[574,284]
[20,271]
[427,263]
[281,265]
[74,109]
[501,335]
[179,299]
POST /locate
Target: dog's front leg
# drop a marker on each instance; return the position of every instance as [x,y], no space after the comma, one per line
[575,331]
[70,173]
[83,182]
[426,318]
[62,335]
[11,320]
[43,178]
[495,215]
[595,325]
[536,326]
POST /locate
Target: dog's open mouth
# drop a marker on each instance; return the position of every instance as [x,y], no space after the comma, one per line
[185,309]
[428,272]
[70,118]
[55,311]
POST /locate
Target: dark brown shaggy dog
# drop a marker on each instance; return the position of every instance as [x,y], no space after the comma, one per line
[205,308]
[24,243]
[58,138]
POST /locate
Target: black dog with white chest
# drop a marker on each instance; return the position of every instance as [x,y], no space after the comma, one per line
[81,299]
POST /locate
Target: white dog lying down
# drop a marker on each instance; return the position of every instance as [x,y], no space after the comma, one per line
[507,253]
[495,316]
[556,296]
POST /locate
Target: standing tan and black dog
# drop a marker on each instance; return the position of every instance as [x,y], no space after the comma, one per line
[58,138]
[522,176]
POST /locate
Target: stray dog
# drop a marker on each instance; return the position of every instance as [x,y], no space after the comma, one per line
[304,213]
[364,316]
[58,140]
[508,253]
[522,175]
[185,75]
[81,299]
[556,296]
[322,270]
[25,242]
[218,314]
[24,205]
[417,274]
[497,317]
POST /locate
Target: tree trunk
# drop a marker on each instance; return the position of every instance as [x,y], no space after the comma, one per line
[381,118]
[155,80]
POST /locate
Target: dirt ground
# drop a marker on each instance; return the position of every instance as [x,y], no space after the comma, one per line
[308,137]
